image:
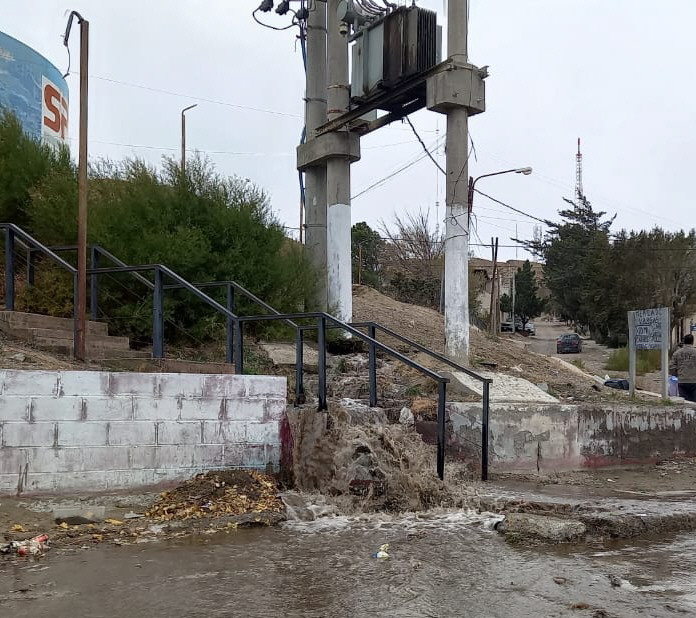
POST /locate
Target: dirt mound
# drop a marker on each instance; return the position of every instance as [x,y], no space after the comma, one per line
[427,327]
[218,494]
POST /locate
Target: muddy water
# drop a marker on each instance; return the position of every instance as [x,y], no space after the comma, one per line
[445,565]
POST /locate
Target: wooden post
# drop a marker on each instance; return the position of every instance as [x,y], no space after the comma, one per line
[80,348]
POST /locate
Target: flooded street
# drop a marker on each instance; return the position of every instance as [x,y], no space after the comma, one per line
[445,565]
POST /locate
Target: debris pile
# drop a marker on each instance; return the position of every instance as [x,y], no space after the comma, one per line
[218,494]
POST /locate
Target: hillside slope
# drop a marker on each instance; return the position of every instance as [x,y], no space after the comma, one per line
[511,355]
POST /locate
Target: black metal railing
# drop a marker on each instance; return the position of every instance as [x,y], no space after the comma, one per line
[14,236]
[319,321]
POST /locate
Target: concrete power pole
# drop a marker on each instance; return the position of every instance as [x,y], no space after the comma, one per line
[315,175]
[338,221]
[457,90]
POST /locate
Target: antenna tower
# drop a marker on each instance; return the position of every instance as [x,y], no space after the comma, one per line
[579,193]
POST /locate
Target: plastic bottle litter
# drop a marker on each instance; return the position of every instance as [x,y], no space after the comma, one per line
[31,547]
[382,553]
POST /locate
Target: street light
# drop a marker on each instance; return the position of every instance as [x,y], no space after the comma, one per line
[472,186]
[472,181]
[183,137]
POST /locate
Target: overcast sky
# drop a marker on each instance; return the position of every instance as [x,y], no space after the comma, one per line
[617,73]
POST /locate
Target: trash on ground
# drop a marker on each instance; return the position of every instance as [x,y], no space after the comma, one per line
[219,494]
[31,547]
[382,553]
[18,528]
[76,515]
[133,515]
[113,522]
[617,383]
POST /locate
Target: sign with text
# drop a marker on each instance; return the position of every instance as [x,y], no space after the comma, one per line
[648,324]
[649,329]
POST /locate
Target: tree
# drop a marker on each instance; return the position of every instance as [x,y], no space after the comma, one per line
[528,305]
[575,253]
[506,303]
[366,245]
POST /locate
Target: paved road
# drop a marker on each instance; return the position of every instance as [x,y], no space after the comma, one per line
[593,355]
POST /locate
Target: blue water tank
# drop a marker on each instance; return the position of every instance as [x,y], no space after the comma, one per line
[34,89]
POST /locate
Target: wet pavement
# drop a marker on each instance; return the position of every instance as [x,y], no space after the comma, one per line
[441,565]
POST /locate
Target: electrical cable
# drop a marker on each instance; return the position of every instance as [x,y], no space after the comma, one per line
[517,210]
[425,148]
[278,28]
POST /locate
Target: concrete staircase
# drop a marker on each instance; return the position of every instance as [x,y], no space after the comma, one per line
[56,335]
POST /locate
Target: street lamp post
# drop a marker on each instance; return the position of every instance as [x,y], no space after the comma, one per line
[472,187]
[472,181]
[183,137]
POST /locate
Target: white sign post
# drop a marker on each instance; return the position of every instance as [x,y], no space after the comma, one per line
[648,329]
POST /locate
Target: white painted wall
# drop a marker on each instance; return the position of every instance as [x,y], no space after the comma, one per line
[97,431]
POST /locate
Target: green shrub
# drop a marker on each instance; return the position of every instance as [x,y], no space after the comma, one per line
[203,226]
[647,361]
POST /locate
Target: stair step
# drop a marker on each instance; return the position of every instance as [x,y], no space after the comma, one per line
[10,320]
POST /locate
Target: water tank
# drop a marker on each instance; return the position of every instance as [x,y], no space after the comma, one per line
[34,89]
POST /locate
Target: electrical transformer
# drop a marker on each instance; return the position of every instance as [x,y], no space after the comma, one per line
[403,44]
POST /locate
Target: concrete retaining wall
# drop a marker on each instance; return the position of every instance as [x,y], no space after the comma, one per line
[565,437]
[97,431]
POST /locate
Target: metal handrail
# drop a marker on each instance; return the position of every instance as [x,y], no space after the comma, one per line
[422,348]
[236,323]
[250,295]
[13,233]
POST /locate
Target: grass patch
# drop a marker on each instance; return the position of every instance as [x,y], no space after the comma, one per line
[647,361]
[415,390]
[578,363]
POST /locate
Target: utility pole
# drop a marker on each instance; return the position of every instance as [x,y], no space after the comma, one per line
[338,217]
[456,204]
[513,292]
[81,310]
[493,312]
[315,175]
[183,137]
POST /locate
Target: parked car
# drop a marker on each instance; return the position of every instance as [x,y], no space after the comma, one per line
[569,344]
[506,327]
[530,328]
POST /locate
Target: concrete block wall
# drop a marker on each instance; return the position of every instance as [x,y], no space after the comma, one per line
[553,437]
[93,431]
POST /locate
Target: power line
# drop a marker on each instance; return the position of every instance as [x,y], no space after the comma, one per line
[394,173]
[517,210]
[193,97]
[422,143]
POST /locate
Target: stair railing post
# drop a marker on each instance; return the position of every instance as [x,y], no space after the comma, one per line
[229,346]
[9,269]
[158,315]
[239,347]
[372,333]
[31,266]
[94,285]
[484,431]
[321,345]
[299,369]
[442,395]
